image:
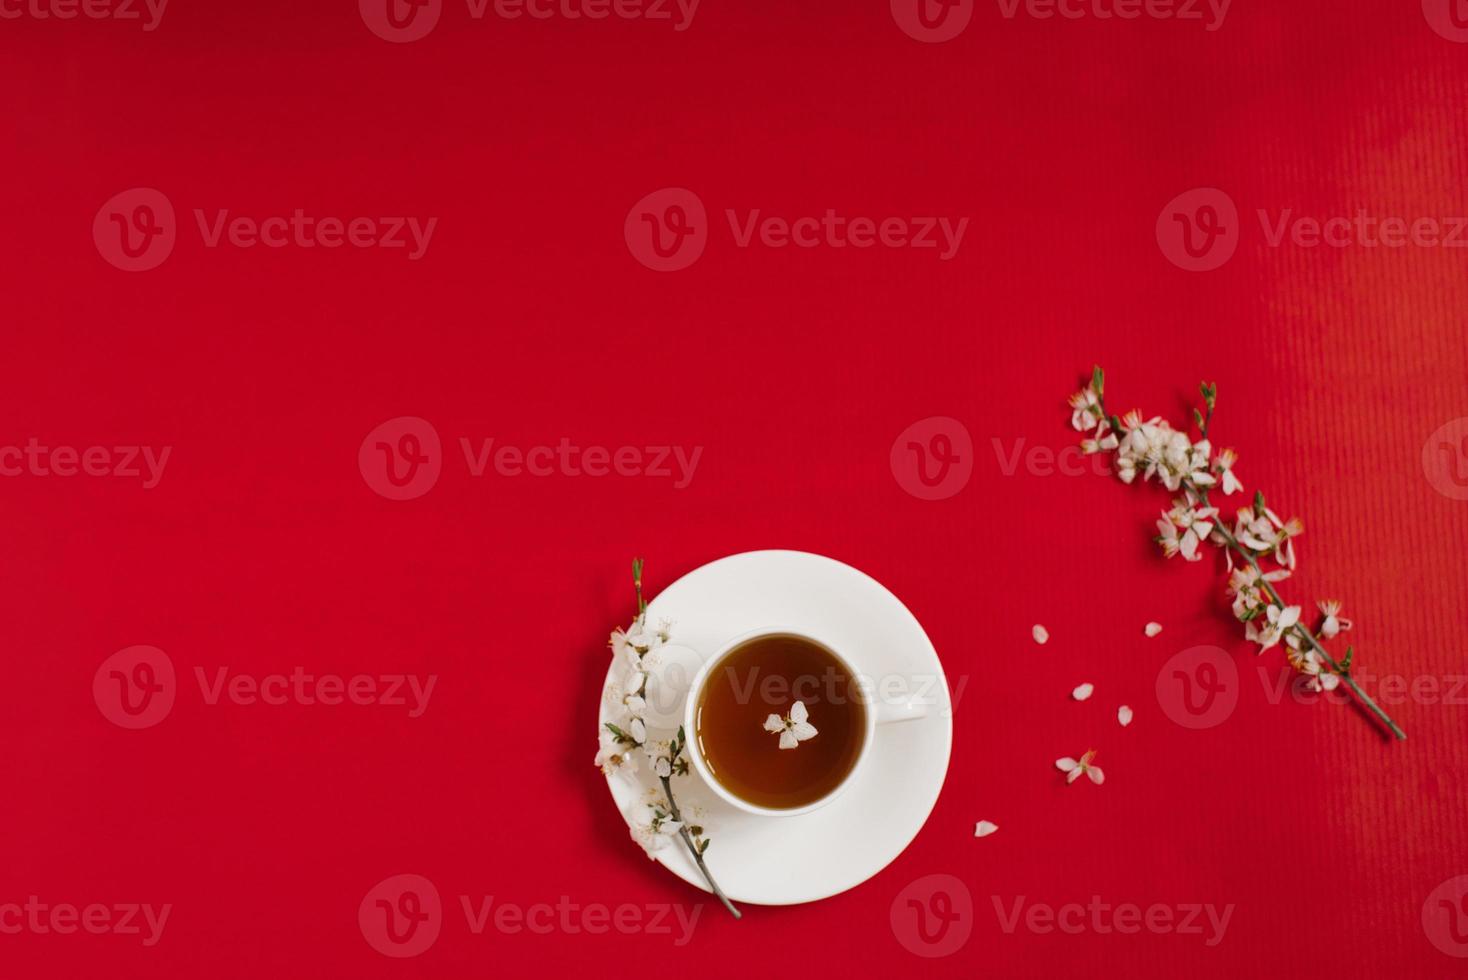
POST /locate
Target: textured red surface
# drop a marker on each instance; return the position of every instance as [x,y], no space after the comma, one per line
[528,320]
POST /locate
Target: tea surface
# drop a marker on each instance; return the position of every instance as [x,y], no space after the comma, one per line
[767,676]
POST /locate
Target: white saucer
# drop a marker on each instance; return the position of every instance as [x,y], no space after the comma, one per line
[789,860]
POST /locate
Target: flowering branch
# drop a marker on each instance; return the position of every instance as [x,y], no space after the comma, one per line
[1154,449]
[657,820]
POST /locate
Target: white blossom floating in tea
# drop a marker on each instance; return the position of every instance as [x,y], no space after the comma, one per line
[794,728]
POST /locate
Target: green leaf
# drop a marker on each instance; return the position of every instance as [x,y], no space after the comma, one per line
[1098,379]
[1259,501]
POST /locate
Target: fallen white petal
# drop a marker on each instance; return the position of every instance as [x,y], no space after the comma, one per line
[788,740]
[1082,692]
[1066,764]
[1124,715]
[774,724]
[1097,776]
[1153,629]
[984,828]
[1041,634]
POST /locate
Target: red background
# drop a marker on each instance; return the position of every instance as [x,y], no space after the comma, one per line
[528,320]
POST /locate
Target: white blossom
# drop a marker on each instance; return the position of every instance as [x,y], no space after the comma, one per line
[1074,768]
[984,828]
[1265,533]
[625,693]
[614,757]
[1194,523]
[1151,448]
[1333,624]
[1223,466]
[1277,622]
[1154,448]
[794,728]
[1085,409]
[1244,585]
[652,828]
[1309,663]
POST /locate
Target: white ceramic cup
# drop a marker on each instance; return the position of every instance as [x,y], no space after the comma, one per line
[877,713]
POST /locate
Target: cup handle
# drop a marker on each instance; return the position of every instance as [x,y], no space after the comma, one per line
[887,713]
